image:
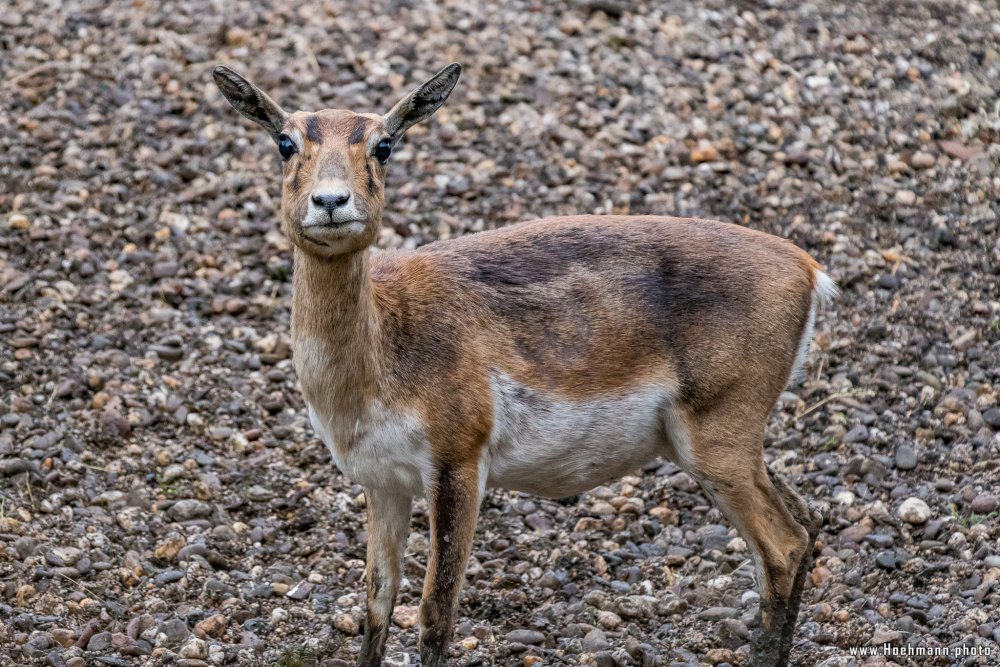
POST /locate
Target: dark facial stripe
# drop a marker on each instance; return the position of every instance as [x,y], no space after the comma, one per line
[314,132]
[372,187]
[357,134]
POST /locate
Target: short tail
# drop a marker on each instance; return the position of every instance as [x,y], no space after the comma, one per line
[824,292]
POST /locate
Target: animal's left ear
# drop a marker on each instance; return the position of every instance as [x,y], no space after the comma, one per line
[422,102]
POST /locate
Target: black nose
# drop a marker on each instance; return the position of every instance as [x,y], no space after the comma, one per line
[330,202]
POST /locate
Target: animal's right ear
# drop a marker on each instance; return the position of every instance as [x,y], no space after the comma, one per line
[250,101]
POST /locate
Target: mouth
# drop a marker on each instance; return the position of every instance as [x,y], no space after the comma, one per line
[327,230]
[334,224]
[329,223]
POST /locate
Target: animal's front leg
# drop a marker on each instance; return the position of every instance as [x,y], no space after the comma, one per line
[388,527]
[453,498]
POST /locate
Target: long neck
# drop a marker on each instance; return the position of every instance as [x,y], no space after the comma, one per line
[335,329]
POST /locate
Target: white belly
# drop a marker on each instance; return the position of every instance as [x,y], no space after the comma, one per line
[539,444]
[558,447]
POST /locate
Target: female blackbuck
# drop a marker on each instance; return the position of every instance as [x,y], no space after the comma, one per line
[547,357]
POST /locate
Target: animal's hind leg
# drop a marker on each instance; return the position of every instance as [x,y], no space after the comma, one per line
[811,520]
[724,453]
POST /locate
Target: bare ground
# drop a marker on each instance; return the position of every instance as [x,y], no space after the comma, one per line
[158,476]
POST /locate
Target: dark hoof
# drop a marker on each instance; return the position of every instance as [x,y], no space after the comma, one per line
[765,650]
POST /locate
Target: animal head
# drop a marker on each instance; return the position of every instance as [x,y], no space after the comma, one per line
[334,161]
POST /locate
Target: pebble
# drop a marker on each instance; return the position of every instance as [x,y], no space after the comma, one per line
[301,590]
[168,577]
[405,616]
[346,624]
[63,556]
[914,510]
[608,620]
[185,510]
[174,632]
[194,648]
[985,503]
[99,642]
[525,637]
[906,458]
[921,160]
[168,548]
[718,613]
[213,626]
[594,641]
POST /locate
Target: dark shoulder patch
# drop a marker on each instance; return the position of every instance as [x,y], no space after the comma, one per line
[314,130]
[357,134]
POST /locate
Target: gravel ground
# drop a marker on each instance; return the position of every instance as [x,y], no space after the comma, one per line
[163,499]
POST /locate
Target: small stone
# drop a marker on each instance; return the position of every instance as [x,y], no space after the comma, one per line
[886,559]
[857,434]
[301,590]
[717,656]
[594,641]
[887,281]
[189,550]
[173,472]
[170,547]
[99,642]
[608,620]
[718,613]
[883,636]
[188,509]
[168,577]
[346,624]
[194,648]
[258,493]
[636,607]
[985,503]
[405,616]
[914,511]
[213,626]
[63,556]
[906,458]
[62,636]
[992,417]
[704,153]
[959,151]
[174,631]
[906,197]
[921,160]
[531,637]
[469,643]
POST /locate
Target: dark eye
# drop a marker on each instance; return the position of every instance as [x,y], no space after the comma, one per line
[382,150]
[286,147]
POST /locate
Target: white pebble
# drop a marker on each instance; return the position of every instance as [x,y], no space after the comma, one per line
[914,510]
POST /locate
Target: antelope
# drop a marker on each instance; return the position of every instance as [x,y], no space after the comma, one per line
[545,357]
